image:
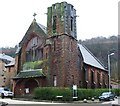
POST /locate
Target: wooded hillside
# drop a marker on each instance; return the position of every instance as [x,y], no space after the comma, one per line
[99,46]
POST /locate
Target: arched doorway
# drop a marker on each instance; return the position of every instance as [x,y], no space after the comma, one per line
[18,90]
[30,85]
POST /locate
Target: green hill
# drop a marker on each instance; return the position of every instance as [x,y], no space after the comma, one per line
[101,47]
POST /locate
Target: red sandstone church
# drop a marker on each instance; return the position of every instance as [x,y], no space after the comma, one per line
[52,56]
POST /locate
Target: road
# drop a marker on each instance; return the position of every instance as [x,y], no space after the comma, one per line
[12,102]
[116,101]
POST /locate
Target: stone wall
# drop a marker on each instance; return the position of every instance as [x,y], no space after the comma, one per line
[100,77]
[63,59]
[10,73]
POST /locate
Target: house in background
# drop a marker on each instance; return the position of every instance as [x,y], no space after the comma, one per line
[4,60]
[52,57]
[115,83]
[10,73]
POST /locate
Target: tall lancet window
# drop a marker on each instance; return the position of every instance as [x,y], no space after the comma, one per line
[33,50]
[54,24]
[71,23]
[86,74]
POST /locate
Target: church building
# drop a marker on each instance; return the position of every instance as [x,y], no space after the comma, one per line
[52,57]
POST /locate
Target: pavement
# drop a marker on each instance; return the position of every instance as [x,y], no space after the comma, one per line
[115,102]
[14,102]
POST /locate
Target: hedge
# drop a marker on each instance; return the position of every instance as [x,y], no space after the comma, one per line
[89,93]
[50,93]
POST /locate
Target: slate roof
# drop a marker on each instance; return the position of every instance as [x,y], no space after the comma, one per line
[11,63]
[18,50]
[43,28]
[30,74]
[34,27]
[5,57]
[89,58]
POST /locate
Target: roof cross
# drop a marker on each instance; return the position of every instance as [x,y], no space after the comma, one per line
[34,15]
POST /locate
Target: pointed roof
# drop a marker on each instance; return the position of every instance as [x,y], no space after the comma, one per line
[43,28]
[35,28]
[89,58]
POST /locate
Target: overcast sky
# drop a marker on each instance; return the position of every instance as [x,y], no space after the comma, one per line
[96,18]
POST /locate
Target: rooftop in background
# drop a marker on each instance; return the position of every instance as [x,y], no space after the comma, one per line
[12,63]
[6,57]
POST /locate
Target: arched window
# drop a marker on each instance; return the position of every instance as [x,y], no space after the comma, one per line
[33,50]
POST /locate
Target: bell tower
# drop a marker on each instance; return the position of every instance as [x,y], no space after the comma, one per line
[61,19]
[63,49]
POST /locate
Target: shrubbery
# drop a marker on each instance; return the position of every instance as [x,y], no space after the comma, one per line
[116,91]
[32,65]
[89,93]
[50,93]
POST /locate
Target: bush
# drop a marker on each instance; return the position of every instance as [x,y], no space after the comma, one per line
[33,65]
[116,91]
[89,93]
[99,91]
[50,93]
[85,93]
[42,93]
